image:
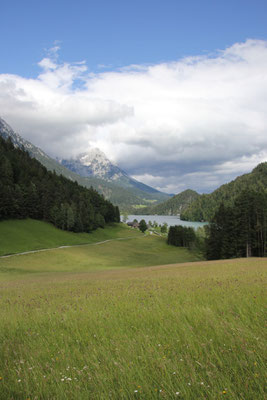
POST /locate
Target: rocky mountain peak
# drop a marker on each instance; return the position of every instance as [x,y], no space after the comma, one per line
[93,155]
[94,163]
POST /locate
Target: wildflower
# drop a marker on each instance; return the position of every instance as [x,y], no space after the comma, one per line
[177,393]
[62,380]
[1,378]
[201,383]
[19,380]
[189,384]
[174,373]
[136,391]
[224,392]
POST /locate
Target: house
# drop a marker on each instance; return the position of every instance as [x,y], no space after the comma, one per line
[133,224]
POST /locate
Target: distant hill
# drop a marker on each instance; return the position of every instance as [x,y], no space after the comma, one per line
[174,206]
[125,192]
[205,206]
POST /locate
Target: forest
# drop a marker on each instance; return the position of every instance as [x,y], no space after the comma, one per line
[29,190]
[204,206]
[239,230]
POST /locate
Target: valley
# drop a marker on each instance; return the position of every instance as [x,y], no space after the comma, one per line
[113,183]
[130,319]
[98,310]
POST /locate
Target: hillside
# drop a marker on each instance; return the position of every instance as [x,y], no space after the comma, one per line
[29,190]
[29,234]
[205,206]
[123,195]
[174,206]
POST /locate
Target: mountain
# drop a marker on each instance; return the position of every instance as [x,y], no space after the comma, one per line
[95,163]
[205,206]
[125,197]
[174,206]
[29,190]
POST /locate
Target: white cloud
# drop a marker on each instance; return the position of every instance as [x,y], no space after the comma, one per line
[195,122]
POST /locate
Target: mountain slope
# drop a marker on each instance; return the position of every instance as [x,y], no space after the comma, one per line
[121,195]
[205,206]
[95,163]
[29,190]
[174,206]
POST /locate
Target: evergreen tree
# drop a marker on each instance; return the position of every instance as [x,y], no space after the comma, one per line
[142,225]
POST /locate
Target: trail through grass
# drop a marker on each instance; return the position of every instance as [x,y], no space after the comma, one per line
[18,236]
[134,252]
[126,319]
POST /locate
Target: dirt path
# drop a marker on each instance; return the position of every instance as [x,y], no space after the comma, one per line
[65,247]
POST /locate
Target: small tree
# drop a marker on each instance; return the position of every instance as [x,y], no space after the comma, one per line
[164,228]
[124,217]
[142,225]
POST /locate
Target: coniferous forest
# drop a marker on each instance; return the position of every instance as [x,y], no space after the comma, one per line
[28,190]
[239,230]
[182,236]
[235,231]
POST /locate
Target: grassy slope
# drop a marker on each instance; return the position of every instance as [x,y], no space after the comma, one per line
[78,323]
[24,235]
[132,252]
[145,333]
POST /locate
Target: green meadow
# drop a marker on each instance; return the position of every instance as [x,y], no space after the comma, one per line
[131,318]
[24,235]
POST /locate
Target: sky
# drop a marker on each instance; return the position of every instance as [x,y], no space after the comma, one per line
[174,92]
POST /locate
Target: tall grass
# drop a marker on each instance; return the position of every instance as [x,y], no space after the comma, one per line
[188,331]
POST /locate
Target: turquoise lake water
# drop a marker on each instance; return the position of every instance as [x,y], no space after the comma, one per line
[171,220]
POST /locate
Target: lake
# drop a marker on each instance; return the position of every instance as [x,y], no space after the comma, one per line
[171,220]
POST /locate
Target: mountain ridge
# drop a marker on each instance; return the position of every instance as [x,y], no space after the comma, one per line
[173,206]
[95,163]
[205,206]
[122,196]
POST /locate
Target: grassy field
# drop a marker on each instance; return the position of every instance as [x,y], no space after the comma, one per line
[101,322]
[126,248]
[24,235]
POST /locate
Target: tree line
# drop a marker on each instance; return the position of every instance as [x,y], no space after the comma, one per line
[28,190]
[181,236]
[239,230]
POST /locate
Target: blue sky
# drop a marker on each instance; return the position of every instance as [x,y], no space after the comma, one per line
[116,33]
[174,92]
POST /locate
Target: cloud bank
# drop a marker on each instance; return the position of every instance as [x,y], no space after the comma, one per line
[196,122]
